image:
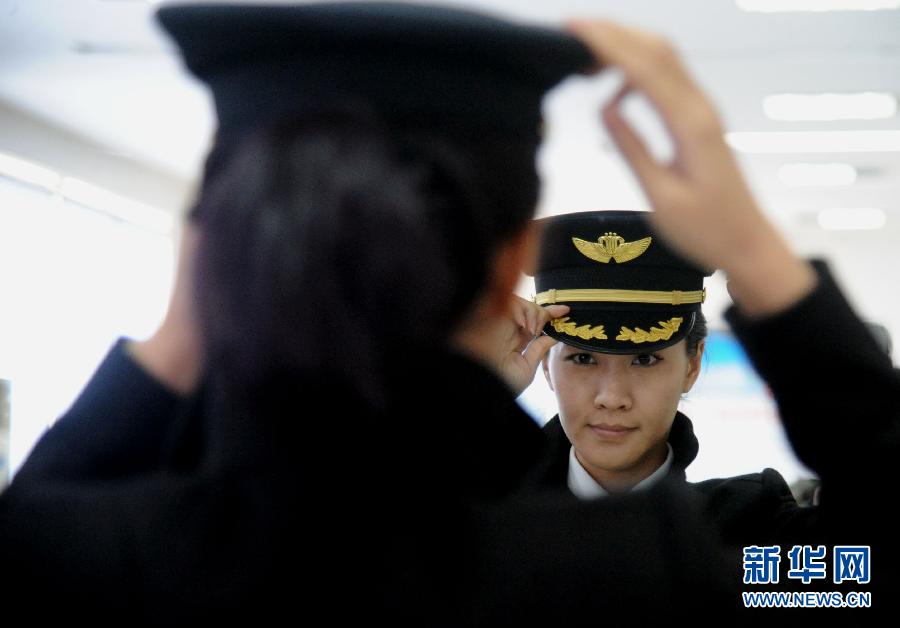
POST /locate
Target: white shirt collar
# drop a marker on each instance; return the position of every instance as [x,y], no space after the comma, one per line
[584,486]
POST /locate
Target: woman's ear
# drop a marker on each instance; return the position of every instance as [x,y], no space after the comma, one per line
[694,363]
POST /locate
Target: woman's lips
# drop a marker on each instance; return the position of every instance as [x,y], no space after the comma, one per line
[611,432]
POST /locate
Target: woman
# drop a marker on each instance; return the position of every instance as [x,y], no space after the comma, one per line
[630,347]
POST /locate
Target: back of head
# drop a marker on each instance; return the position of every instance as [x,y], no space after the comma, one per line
[334,243]
[370,158]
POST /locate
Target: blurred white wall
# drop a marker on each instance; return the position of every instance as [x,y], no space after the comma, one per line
[74,277]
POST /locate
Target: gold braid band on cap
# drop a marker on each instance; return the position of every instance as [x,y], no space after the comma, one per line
[664,297]
[663,332]
[571,328]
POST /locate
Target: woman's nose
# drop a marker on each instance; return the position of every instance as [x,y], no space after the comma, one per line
[612,394]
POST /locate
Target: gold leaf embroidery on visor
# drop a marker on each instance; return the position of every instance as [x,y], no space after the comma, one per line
[571,328]
[663,332]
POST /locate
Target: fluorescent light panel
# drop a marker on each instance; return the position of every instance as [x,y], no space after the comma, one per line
[87,194]
[814,141]
[851,218]
[126,209]
[817,175]
[28,172]
[827,107]
[786,6]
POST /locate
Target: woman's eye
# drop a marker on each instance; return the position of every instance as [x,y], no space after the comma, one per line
[582,358]
[645,359]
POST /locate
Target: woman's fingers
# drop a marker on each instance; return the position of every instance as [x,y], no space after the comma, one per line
[648,171]
[650,63]
[534,315]
[652,66]
[523,313]
[545,314]
[536,352]
[518,313]
[703,206]
[550,312]
[531,317]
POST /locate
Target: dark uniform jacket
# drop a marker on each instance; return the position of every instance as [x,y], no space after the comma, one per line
[324,514]
[137,508]
[751,509]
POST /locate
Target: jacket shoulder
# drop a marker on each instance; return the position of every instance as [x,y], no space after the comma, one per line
[755,508]
[117,426]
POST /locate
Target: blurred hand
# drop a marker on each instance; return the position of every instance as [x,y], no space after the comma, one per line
[702,204]
[173,354]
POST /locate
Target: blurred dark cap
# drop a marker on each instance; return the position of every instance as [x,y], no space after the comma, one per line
[420,66]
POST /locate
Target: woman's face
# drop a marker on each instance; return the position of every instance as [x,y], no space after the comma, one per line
[617,409]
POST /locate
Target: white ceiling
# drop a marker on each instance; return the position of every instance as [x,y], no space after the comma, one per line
[102,69]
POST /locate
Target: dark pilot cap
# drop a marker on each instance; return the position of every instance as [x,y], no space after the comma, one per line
[628,292]
[417,65]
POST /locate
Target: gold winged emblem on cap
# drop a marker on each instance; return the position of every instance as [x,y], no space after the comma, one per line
[612,246]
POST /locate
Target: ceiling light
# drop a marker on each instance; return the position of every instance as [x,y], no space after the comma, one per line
[851,218]
[817,175]
[814,141]
[126,209]
[87,194]
[826,107]
[28,172]
[785,6]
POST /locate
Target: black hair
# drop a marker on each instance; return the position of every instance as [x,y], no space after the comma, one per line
[332,242]
[697,333]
